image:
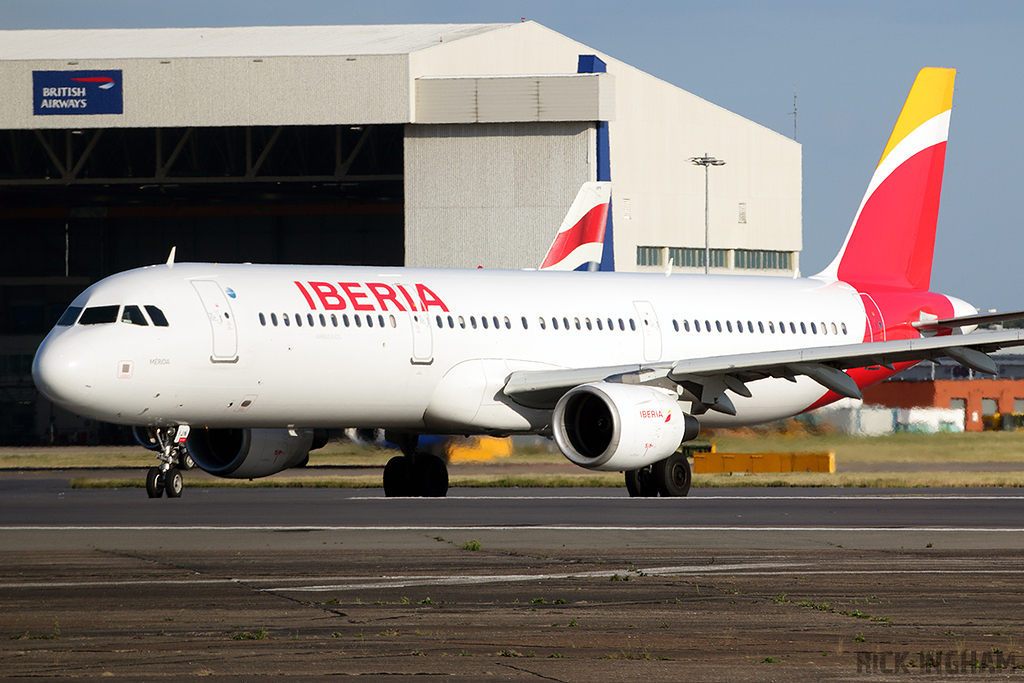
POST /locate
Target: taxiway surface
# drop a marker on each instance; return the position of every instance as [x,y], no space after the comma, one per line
[505,584]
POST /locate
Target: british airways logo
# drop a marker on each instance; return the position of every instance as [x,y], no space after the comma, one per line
[77,92]
[369,296]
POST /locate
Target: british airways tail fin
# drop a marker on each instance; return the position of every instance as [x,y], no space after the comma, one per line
[891,242]
[580,240]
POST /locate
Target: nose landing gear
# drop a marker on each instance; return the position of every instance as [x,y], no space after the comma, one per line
[166,477]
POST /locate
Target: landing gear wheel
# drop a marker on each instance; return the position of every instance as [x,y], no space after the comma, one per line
[396,477]
[154,483]
[173,483]
[672,475]
[420,474]
[640,483]
[430,476]
[185,461]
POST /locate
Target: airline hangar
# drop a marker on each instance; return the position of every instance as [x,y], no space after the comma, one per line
[421,145]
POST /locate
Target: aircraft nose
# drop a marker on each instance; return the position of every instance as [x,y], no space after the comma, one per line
[64,369]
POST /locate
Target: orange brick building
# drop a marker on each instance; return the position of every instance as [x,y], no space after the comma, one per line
[978,397]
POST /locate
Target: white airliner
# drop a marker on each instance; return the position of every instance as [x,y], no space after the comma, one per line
[248,364]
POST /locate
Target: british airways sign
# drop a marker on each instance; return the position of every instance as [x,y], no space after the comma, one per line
[76,92]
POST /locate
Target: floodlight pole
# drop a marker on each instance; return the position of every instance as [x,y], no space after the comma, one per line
[706,161]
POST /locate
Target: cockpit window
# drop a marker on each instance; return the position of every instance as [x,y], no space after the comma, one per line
[133,315]
[97,315]
[70,316]
[158,317]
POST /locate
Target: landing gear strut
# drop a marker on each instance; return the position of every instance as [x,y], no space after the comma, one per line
[166,477]
[669,477]
[414,473]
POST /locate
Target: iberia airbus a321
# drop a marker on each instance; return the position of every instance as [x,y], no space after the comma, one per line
[246,366]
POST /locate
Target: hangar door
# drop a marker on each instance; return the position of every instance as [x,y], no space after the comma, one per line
[491,194]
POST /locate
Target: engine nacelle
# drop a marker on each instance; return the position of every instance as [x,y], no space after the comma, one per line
[618,427]
[249,453]
[146,437]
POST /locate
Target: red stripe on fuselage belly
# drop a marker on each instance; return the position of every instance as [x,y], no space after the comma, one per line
[899,309]
[894,240]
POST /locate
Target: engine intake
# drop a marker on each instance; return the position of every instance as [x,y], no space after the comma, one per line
[618,427]
[249,453]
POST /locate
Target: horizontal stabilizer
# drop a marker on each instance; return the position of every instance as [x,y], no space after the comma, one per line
[966,320]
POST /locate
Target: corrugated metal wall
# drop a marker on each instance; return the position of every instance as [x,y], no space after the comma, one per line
[491,195]
[506,99]
[228,91]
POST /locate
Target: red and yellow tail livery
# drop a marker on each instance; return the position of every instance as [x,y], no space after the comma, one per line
[891,242]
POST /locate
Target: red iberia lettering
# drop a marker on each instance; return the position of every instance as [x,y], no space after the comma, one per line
[412,304]
[428,298]
[309,299]
[329,297]
[384,293]
[354,297]
[368,296]
[651,413]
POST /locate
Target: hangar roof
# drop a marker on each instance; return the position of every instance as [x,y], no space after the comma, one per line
[243,41]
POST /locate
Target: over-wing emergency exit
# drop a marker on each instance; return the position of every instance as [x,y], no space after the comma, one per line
[245,365]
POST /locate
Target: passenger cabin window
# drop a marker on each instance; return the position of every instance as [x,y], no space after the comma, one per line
[133,315]
[263,320]
[98,315]
[70,316]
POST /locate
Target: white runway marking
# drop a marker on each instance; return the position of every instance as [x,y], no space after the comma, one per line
[324,584]
[523,527]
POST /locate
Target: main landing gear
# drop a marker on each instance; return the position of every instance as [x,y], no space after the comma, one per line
[166,478]
[669,477]
[414,473]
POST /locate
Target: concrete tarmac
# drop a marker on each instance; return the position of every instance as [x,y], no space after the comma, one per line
[564,585]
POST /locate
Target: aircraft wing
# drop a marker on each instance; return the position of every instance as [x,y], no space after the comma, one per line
[707,379]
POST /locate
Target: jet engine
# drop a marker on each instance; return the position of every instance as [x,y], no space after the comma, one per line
[618,427]
[252,453]
[146,438]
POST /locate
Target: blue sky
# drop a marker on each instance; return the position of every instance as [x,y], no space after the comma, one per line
[851,64]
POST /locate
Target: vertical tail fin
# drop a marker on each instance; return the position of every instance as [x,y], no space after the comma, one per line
[580,239]
[892,240]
